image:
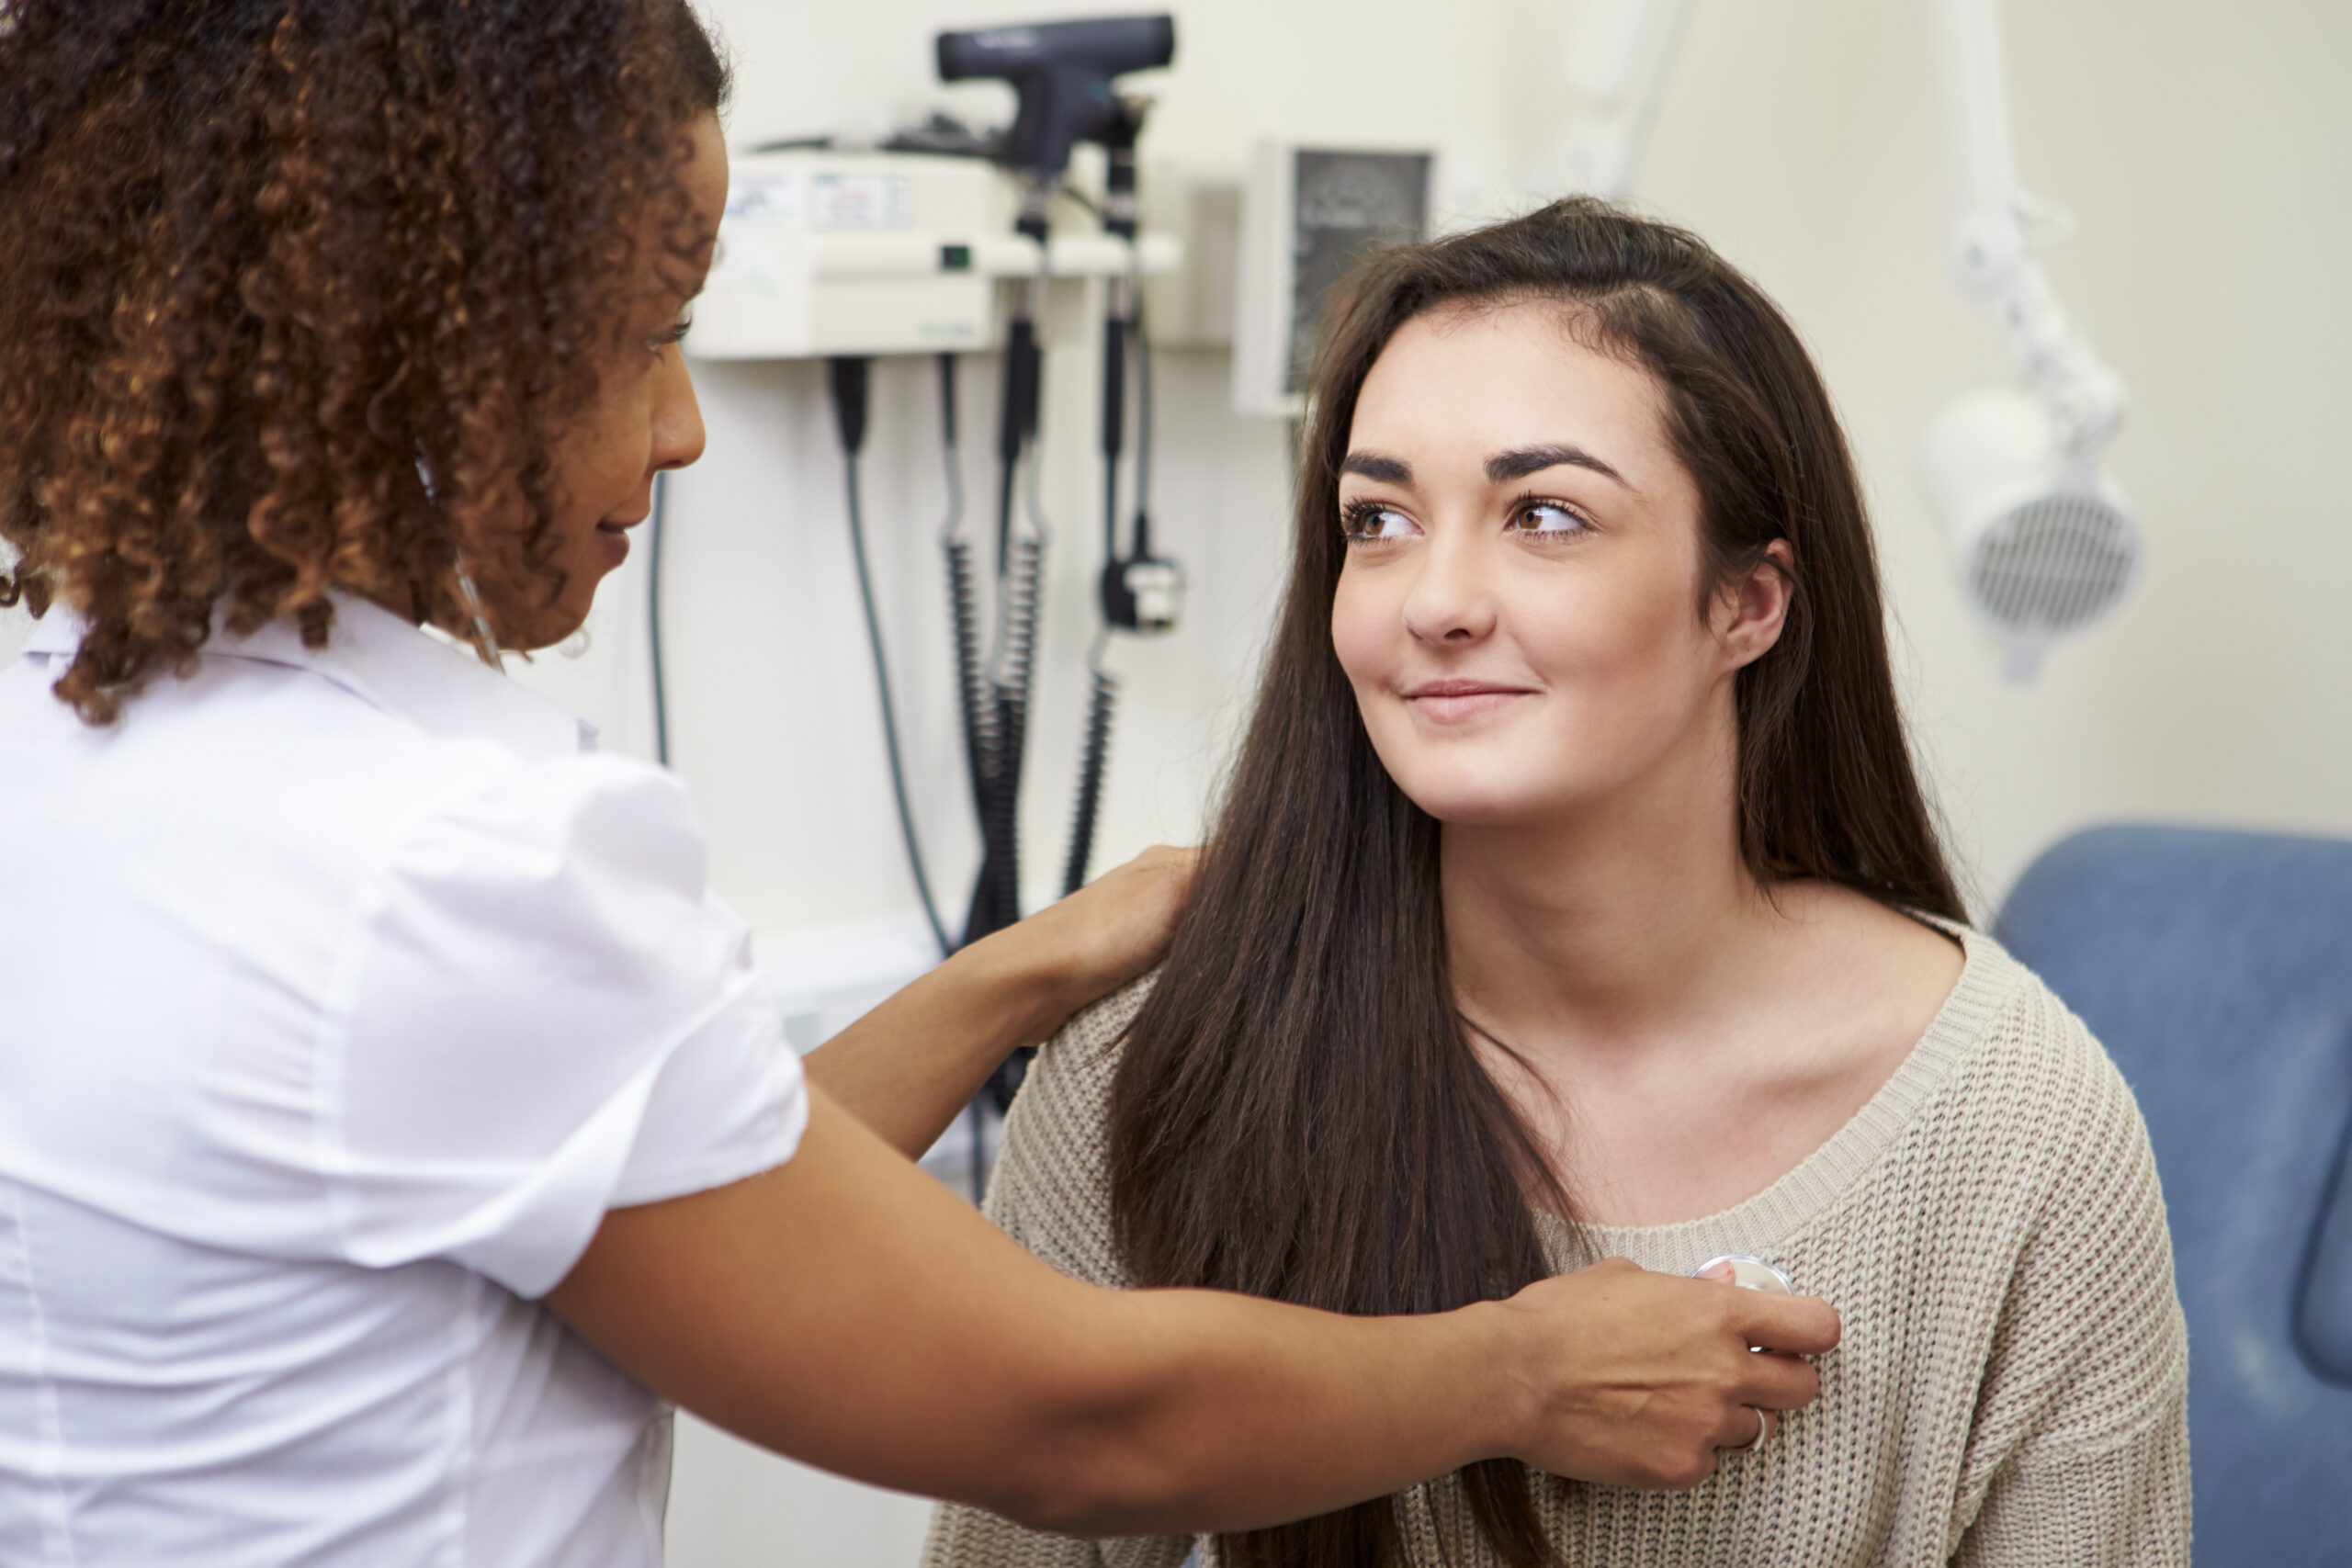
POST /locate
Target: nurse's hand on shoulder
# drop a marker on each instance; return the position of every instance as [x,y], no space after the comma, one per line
[909,1067]
[1115,927]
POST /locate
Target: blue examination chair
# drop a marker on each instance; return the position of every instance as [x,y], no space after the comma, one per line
[2217,969]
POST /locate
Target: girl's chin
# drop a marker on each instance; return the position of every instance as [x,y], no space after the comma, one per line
[1484,807]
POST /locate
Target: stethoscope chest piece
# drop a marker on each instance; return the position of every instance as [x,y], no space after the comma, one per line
[1750,1273]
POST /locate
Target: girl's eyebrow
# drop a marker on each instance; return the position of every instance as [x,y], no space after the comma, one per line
[1377,467]
[1504,467]
[1501,469]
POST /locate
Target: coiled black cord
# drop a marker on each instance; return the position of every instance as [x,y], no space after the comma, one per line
[1094,754]
[976,712]
[996,892]
[996,895]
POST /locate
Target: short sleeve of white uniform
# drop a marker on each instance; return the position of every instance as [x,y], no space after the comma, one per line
[540,1014]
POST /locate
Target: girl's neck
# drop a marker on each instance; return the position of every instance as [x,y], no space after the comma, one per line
[1615,922]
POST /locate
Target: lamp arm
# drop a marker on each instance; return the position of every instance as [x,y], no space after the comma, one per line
[1619,52]
[1994,256]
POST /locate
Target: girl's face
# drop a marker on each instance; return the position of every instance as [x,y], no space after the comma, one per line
[644,419]
[1518,611]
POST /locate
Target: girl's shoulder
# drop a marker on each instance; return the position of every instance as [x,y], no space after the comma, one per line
[1096,1035]
[2020,1123]
[2017,1047]
[1051,1191]
[1070,1081]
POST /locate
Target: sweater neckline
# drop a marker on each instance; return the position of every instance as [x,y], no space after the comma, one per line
[1758,1225]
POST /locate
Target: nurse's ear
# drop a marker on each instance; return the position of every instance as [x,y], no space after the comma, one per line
[1747,613]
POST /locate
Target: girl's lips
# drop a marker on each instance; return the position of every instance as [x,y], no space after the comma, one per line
[1451,702]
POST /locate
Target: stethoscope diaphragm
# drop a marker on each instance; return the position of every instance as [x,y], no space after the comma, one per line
[1750,1273]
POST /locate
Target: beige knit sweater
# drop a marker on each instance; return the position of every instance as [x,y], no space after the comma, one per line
[2013,1384]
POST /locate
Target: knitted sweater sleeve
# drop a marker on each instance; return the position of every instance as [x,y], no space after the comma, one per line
[1051,1193]
[2079,1457]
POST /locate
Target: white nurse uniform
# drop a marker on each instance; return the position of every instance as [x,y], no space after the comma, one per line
[341,992]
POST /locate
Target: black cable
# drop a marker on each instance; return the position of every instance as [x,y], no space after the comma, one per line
[947,431]
[996,891]
[653,619]
[970,689]
[1121,330]
[1023,369]
[1094,754]
[996,895]
[1117,606]
[1143,428]
[1020,566]
[1115,422]
[849,379]
[962,604]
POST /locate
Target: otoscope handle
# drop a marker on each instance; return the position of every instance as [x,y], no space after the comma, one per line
[1115,386]
[1118,142]
[1019,420]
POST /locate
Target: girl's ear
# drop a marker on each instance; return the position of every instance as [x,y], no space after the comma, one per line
[1750,611]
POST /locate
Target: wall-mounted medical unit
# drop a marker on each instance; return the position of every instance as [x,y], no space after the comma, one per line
[1310,213]
[825,253]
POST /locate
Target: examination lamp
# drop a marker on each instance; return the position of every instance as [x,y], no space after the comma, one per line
[2046,544]
[1062,72]
[2046,541]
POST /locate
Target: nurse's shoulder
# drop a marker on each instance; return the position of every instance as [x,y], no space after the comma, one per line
[269,754]
[353,902]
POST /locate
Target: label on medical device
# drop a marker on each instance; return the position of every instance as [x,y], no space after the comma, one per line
[821,203]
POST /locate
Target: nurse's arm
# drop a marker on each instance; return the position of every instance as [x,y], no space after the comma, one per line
[908,1067]
[846,1309]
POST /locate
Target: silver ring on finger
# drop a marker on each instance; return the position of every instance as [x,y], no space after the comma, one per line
[1763,1430]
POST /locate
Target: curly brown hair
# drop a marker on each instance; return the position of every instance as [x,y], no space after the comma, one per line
[297,294]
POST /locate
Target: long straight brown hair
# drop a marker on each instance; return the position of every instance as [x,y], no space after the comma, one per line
[1299,1113]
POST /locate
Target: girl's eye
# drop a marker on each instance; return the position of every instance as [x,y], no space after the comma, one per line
[676,334]
[1368,520]
[1549,519]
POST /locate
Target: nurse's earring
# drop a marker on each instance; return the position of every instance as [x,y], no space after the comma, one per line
[485,644]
